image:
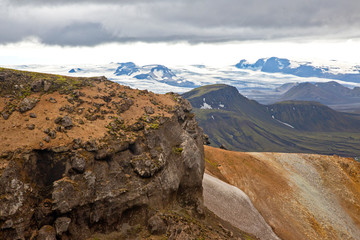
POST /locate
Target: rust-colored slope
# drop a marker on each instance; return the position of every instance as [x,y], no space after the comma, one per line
[301,196]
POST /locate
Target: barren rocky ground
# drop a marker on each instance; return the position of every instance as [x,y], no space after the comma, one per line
[301,196]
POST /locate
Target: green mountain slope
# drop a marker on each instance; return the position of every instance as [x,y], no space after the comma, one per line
[240,124]
[326,93]
[313,116]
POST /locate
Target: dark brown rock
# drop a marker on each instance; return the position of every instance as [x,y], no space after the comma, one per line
[5,115]
[27,104]
[65,122]
[145,166]
[2,77]
[149,110]
[7,224]
[33,115]
[78,164]
[222,146]
[52,134]
[47,232]
[62,225]
[156,225]
[91,146]
[137,126]
[30,126]
[206,139]
[47,85]
[37,86]
[125,105]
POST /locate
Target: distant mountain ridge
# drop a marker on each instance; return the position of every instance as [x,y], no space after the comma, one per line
[238,123]
[325,93]
[283,65]
[158,73]
[312,116]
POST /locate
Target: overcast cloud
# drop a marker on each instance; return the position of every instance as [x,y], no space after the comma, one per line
[87,23]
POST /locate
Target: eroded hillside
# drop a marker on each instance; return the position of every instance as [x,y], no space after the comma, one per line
[301,196]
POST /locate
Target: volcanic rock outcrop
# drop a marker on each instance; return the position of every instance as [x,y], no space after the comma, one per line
[98,158]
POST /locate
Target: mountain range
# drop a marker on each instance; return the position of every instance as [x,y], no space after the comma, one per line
[283,65]
[331,94]
[158,73]
[255,81]
[238,123]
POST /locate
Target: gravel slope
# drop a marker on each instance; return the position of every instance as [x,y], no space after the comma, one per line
[301,196]
[233,205]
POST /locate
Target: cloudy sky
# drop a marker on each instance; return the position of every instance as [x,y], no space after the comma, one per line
[177,31]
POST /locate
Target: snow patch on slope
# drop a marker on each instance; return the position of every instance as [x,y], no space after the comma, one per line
[205,105]
[238,209]
[286,124]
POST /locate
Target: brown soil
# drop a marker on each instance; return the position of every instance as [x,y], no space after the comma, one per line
[15,134]
[301,196]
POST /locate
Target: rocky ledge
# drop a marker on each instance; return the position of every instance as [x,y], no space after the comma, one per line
[85,156]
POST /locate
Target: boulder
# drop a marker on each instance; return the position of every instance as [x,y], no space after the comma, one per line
[149,110]
[47,85]
[37,86]
[47,232]
[27,104]
[156,225]
[31,126]
[78,164]
[65,122]
[62,225]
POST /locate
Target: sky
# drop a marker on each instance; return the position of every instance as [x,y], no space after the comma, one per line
[178,31]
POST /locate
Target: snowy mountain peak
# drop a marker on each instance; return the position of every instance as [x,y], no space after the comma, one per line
[126,68]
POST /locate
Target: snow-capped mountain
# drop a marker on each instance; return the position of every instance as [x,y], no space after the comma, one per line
[307,69]
[75,70]
[158,73]
[127,68]
[248,78]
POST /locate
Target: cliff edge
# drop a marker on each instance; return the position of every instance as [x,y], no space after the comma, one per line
[80,156]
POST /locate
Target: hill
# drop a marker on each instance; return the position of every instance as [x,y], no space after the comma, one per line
[301,196]
[241,124]
[328,93]
[88,158]
[312,116]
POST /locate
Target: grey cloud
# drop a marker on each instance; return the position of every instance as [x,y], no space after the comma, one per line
[82,22]
[79,34]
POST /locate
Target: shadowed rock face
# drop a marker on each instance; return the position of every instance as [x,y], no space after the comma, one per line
[301,196]
[76,187]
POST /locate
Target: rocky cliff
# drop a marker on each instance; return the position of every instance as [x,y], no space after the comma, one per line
[80,156]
